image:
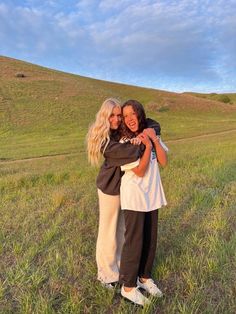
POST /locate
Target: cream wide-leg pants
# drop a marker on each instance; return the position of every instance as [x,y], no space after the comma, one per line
[110,237]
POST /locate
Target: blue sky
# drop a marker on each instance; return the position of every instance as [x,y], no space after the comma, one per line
[171,45]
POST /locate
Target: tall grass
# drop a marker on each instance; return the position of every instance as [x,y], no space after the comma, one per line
[48,228]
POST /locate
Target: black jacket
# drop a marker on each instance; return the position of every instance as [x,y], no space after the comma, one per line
[118,154]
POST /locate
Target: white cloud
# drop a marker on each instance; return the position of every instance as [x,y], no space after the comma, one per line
[145,38]
[107,5]
[174,40]
[3,9]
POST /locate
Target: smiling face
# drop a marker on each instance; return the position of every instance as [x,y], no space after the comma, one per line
[130,118]
[115,118]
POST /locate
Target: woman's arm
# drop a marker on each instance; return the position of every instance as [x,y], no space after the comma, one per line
[160,152]
[118,154]
[145,159]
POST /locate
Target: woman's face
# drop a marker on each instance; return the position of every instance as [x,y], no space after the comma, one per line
[130,118]
[115,118]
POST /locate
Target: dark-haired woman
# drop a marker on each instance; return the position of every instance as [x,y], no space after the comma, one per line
[142,195]
[103,140]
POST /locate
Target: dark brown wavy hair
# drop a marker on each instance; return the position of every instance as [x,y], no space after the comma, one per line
[141,115]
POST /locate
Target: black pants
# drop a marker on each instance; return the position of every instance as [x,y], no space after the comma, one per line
[139,248]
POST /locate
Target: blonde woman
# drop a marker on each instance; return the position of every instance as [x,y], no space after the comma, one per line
[103,139]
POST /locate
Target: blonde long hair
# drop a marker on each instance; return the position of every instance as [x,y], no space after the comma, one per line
[99,131]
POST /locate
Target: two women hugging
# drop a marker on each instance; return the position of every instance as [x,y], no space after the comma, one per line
[130,193]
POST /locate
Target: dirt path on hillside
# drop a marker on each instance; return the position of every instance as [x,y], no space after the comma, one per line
[201,136]
[78,153]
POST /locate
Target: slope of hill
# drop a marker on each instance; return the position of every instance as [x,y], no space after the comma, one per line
[49,209]
[48,111]
[228,98]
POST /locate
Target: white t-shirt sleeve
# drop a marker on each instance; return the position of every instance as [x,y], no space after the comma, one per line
[131,165]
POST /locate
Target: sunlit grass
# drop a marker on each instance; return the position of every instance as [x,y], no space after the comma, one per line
[49,211]
[48,112]
[48,229]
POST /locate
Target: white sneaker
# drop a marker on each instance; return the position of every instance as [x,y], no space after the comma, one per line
[135,296]
[150,287]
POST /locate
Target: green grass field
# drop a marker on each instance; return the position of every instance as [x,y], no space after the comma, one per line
[49,209]
[48,112]
[49,217]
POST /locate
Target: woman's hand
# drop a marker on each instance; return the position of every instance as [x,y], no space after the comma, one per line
[135,141]
[151,134]
[145,139]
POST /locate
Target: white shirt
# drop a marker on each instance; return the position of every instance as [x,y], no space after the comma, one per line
[145,193]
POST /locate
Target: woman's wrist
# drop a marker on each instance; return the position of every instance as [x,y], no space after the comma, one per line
[149,145]
[156,141]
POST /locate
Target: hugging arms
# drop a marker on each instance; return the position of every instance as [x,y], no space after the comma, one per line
[140,166]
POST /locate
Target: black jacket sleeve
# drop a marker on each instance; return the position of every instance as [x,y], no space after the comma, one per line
[118,154]
[155,125]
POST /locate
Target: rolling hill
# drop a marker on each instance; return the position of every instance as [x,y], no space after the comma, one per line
[49,206]
[48,112]
[228,98]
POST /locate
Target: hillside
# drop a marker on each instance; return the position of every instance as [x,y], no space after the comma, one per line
[49,206]
[228,98]
[48,111]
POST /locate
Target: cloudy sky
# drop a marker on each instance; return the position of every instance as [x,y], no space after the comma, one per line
[166,44]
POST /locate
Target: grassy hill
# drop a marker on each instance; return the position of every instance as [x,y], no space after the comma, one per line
[49,210]
[227,98]
[48,112]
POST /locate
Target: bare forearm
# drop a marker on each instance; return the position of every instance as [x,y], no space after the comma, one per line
[144,162]
[161,153]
